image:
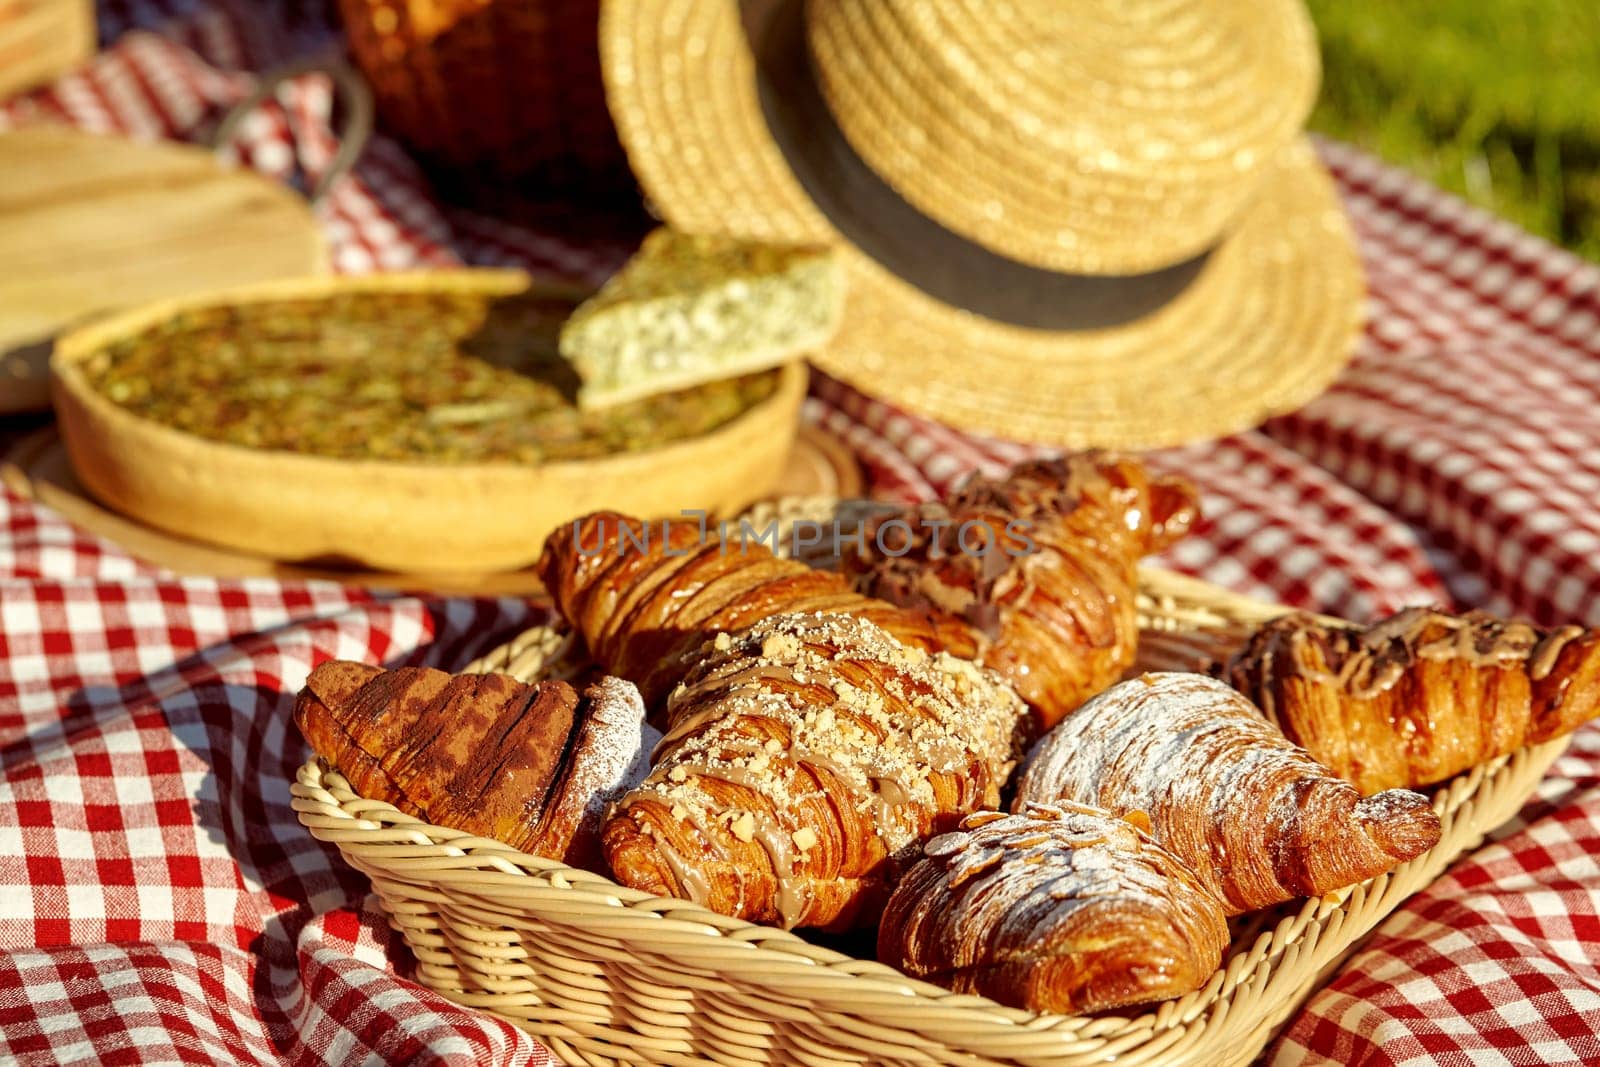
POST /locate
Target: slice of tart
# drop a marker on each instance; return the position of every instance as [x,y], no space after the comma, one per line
[689,309]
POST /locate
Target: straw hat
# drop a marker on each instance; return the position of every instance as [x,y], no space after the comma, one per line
[1069,222]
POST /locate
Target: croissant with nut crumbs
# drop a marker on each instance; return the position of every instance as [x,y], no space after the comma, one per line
[1421,696]
[1033,574]
[1060,908]
[1256,817]
[645,595]
[802,754]
[530,765]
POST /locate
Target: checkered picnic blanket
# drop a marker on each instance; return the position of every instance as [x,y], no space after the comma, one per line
[160,903]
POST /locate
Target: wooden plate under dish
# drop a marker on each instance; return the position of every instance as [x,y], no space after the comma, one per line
[37,467]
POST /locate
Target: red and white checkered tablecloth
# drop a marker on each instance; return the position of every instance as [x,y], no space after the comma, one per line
[159,902]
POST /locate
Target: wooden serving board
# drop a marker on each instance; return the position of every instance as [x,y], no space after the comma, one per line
[41,40]
[90,223]
[37,467]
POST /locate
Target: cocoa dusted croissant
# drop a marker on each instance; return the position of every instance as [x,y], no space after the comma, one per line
[530,765]
[1421,696]
[1033,574]
[645,595]
[803,753]
[1061,908]
[1256,817]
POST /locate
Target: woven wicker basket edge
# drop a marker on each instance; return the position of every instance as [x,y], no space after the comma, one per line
[605,974]
[1234,1013]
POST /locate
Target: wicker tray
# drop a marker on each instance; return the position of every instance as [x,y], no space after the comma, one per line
[606,975]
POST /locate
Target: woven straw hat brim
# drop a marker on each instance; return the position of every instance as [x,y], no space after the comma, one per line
[1268,322]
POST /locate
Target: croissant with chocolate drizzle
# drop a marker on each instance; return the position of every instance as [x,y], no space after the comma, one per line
[1032,574]
[1421,696]
[1248,810]
[646,595]
[802,754]
[1060,908]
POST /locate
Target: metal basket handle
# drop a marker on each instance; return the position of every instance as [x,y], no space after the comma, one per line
[351,92]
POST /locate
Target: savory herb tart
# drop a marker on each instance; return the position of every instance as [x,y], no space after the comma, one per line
[418,422]
[452,377]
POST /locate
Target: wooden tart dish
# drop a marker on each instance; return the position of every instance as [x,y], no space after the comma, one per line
[412,516]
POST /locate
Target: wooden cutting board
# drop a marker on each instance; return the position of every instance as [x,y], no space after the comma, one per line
[37,467]
[90,223]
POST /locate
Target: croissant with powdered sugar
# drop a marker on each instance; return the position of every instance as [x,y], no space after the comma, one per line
[1252,813]
[531,765]
[1059,908]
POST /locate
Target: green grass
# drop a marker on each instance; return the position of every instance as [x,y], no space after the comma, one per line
[1497,100]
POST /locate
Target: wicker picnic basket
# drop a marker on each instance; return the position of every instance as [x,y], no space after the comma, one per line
[609,975]
[500,98]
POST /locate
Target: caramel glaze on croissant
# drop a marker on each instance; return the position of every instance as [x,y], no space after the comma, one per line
[1421,696]
[1256,817]
[1050,603]
[802,754]
[645,596]
[1060,908]
[529,765]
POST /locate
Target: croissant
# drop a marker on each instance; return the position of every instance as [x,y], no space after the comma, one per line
[1034,574]
[1419,697]
[647,595]
[1060,908]
[803,753]
[529,765]
[1255,817]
